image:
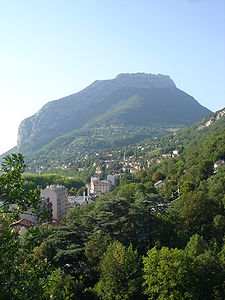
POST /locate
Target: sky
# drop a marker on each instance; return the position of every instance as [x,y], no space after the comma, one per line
[53,48]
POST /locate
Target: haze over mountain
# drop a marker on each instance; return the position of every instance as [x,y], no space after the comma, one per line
[128,101]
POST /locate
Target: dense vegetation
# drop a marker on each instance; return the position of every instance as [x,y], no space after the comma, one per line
[137,242]
[33,181]
[78,143]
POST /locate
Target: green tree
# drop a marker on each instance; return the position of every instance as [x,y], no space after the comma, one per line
[207,273]
[9,249]
[29,273]
[206,169]
[127,191]
[219,227]
[96,247]
[196,211]
[187,187]
[12,190]
[195,246]
[59,286]
[209,276]
[167,275]
[157,176]
[216,188]
[120,273]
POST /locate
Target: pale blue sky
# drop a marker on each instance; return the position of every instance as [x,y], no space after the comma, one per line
[52,48]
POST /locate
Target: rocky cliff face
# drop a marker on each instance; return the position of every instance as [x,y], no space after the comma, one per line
[143,80]
[130,99]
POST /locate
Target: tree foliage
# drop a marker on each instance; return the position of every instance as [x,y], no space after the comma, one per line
[120,275]
[166,274]
[179,229]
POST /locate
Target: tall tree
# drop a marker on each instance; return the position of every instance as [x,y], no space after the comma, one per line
[120,274]
[166,275]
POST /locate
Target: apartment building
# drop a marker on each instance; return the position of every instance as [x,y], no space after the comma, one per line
[58,196]
[99,186]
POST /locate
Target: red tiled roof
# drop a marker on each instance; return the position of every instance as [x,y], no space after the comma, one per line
[23,222]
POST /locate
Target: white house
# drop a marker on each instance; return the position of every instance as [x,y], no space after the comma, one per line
[175,153]
[219,163]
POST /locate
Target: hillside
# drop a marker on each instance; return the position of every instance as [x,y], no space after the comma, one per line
[129,100]
[189,142]
[139,241]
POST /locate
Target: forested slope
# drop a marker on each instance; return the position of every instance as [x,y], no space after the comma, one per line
[137,242]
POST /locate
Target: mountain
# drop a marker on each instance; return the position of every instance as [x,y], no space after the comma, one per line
[127,102]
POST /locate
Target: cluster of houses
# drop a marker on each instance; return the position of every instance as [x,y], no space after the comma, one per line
[131,165]
[212,120]
[54,200]
[94,189]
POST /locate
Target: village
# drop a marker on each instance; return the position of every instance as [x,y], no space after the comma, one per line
[107,168]
[56,201]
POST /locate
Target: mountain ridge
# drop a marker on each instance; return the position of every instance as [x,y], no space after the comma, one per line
[141,100]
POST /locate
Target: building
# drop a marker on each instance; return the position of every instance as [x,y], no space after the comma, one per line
[175,153]
[99,186]
[57,195]
[158,184]
[30,216]
[113,178]
[98,170]
[210,122]
[34,217]
[22,226]
[218,164]
[74,201]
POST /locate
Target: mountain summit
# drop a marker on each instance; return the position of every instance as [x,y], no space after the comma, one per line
[128,100]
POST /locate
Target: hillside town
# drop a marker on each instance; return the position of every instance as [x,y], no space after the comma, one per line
[56,202]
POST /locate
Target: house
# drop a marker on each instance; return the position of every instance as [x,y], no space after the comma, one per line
[219,163]
[34,217]
[175,153]
[133,170]
[29,215]
[74,201]
[159,160]
[98,170]
[158,184]
[210,122]
[22,226]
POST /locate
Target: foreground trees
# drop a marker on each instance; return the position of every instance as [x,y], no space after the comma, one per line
[120,275]
[14,201]
[166,274]
[179,250]
[192,273]
[12,189]
[25,271]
